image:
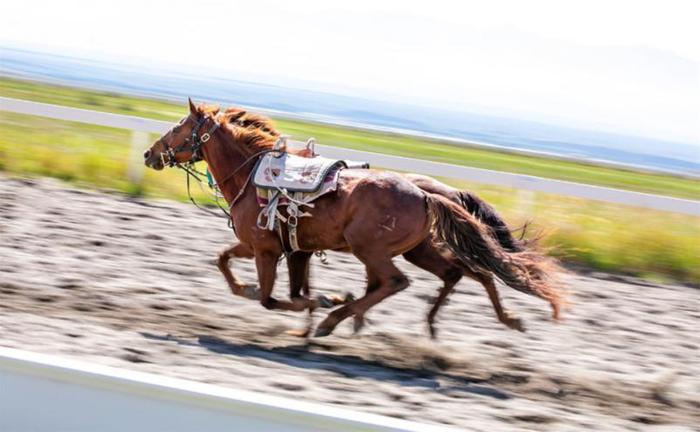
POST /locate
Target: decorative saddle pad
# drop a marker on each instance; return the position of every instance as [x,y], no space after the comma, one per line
[329,184]
[304,178]
[293,182]
[293,173]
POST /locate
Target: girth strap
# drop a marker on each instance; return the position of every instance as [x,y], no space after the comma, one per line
[271,218]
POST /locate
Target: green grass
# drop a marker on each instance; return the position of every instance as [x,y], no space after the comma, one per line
[647,243]
[641,242]
[87,155]
[373,141]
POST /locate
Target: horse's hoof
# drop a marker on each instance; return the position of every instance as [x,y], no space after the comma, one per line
[251,292]
[518,325]
[325,301]
[433,332]
[322,331]
[359,323]
[298,332]
[338,300]
[239,288]
[514,323]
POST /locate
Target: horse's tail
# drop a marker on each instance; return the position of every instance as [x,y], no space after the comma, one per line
[488,215]
[469,239]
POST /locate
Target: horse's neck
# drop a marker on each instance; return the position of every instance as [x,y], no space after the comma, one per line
[223,160]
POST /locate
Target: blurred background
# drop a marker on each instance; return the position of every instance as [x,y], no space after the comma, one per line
[589,92]
[107,262]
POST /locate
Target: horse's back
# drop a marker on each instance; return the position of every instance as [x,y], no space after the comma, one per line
[430,185]
[384,206]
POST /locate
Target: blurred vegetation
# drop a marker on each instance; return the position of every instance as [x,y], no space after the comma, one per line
[640,242]
[379,142]
[88,155]
[655,245]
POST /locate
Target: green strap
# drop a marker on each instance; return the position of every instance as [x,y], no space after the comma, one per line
[210,179]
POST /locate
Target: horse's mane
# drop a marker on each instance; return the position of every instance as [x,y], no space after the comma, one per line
[248,119]
[250,140]
[250,132]
[256,121]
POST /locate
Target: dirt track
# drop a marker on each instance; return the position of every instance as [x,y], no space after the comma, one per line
[133,284]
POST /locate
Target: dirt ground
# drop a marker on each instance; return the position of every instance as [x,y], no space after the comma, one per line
[133,283]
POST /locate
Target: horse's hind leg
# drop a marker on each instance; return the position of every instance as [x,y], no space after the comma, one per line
[238,250]
[373,283]
[503,316]
[429,258]
[392,280]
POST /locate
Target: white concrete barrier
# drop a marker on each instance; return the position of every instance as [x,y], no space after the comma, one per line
[499,178]
[41,393]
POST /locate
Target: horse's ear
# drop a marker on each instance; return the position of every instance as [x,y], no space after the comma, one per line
[193,109]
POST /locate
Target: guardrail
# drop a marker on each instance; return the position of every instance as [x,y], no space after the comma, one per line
[40,392]
[141,126]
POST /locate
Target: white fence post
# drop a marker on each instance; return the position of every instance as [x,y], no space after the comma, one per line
[139,142]
[525,201]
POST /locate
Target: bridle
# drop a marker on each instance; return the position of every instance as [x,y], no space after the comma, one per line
[197,142]
[189,167]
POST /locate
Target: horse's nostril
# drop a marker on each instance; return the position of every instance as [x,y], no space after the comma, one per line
[147,154]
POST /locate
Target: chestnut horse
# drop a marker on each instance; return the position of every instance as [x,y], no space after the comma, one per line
[443,264]
[400,218]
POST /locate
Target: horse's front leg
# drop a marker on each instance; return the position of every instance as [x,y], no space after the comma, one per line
[298,264]
[266,264]
[238,250]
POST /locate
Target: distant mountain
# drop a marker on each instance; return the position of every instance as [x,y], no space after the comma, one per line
[503,132]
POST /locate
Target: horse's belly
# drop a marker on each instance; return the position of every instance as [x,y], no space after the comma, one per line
[322,231]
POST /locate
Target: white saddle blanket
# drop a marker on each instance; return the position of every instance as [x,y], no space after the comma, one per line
[294,182]
[295,173]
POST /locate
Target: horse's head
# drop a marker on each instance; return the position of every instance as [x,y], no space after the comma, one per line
[181,144]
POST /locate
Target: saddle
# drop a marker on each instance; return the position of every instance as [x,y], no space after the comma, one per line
[294,173]
[285,180]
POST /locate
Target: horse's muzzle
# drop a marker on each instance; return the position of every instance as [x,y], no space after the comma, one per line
[152,161]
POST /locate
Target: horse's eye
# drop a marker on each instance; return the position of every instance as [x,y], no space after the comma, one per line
[176,129]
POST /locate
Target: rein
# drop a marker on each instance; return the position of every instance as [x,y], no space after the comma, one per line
[191,171]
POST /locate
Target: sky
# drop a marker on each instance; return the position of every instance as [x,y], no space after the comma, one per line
[630,67]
